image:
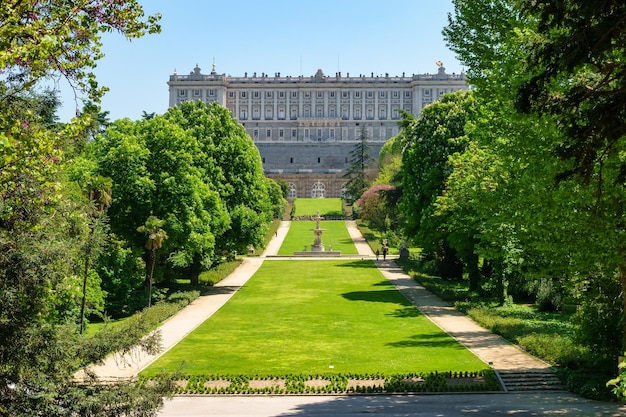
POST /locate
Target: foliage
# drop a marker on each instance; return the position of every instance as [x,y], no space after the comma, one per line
[429,142]
[278,200]
[62,38]
[374,209]
[535,218]
[332,383]
[619,383]
[231,163]
[152,165]
[219,272]
[577,73]
[45,240]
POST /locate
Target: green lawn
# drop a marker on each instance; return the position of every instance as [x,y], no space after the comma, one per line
[309,317]
[335,236]
[310,206]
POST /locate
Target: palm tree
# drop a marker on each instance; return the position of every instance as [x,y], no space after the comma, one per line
[156,236]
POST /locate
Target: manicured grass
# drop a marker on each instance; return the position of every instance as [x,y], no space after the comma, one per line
[310,206]
[335,236]
[309,317]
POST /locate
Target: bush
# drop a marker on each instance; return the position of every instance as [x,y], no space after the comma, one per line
[219,272]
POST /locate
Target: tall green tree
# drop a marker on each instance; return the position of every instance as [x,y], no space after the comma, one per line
[360,163]
[232,164]
[547,68]
[429,142]
[553,176]
[153,165]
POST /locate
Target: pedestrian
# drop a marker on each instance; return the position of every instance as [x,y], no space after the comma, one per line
[377,253]
[384,253]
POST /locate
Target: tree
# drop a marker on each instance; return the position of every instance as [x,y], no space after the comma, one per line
[577,72]
[156,236]
[153,165]
[232,164]
[560,62]
[360,162]
[99,199]
[429,142]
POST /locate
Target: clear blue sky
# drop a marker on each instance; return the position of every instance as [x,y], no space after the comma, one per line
[291,37]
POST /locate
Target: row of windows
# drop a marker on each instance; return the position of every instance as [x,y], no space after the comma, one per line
[198,93]
[308,133]
[307,94]
[321,94]
[319,113]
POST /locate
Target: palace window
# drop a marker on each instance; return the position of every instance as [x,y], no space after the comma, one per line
[197,93]
[407,94]
[281,94]
[243,94]
[395,94]
[345,94]
[307,94]
[382,94]
[268,133]
[255,94]
[357,94]
[320,94]
[182,93]
[370,94]
[294,94]
[231,94]
[427,92]
[294,133]
[268,94]
[332,94]
[281,133]
[211,93]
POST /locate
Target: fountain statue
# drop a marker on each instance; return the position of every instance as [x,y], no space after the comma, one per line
[318,246]
[317,249]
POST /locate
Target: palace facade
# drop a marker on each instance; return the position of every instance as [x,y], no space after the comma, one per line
[305,127]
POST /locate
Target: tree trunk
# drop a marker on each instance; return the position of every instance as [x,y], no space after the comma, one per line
[194,270]
[150,274]
[473,272]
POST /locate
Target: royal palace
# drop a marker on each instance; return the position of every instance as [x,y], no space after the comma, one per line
[305,127]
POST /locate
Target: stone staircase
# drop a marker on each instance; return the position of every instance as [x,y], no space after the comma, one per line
[530,380]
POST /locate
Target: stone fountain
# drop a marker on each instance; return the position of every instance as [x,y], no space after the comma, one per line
[317,249]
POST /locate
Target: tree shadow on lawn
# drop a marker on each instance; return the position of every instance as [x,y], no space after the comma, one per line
[358,264]
[384,296]
[434,340]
